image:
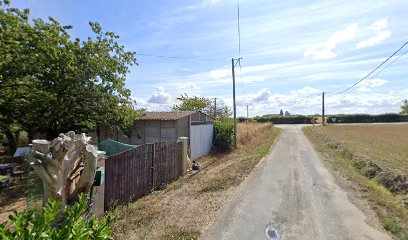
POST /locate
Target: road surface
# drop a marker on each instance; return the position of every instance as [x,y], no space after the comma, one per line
[291,195]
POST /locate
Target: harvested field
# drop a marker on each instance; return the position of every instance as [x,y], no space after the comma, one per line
[374,158]
[189,205]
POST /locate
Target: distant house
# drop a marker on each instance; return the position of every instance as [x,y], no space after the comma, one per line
[167,126]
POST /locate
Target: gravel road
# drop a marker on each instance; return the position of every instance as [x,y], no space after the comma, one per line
[292,195]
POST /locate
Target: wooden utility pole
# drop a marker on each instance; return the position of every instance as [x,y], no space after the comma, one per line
[247,114]
[323,119]
[234,102]
[215,108]
[235,107]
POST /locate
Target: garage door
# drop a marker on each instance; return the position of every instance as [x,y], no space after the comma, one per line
[200,140]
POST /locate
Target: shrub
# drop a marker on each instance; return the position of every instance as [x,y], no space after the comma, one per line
[241,119]
[366,118]
[223,139]
[56,223]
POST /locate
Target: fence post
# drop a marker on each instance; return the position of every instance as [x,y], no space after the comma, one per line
[152,167]
[100,190]
[184,157]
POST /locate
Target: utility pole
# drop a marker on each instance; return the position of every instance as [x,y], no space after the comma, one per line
[235,107]
[215,108]
[234,102]
[247,114]
[323,120]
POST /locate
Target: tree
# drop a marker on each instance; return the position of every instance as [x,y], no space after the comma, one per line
[281,112]
[404,107]
[202,104]
[192,103]
[50,83]
[221,113]
[287,113]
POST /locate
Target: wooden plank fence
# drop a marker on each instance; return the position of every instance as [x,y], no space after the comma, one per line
[133,174]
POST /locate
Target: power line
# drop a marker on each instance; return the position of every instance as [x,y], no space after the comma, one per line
[371,92]
[390,63]
[375,69]
[173,57]
[239,32]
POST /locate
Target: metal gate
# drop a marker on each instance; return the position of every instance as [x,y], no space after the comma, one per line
[201,140]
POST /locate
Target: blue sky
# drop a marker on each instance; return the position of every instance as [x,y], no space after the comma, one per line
[291,50]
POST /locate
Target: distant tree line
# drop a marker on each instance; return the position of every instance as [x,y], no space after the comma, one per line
[367,118]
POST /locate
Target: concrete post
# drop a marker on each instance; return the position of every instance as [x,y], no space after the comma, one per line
[100,191]
[184,157]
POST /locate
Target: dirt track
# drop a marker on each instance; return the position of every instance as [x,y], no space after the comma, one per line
[293,192]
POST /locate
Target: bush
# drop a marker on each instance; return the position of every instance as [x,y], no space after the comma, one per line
[54,223]
[223,139]
[242,119]
[366,118]
[276,119]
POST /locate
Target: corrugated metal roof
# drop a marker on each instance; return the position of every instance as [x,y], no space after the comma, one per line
[165,115]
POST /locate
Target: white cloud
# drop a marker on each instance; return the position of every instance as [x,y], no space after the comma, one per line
[203,4]
[306,90]
[262,95]
[324,50]
[252,79]
[220,73]
[381,33]
[160,97]
[367,84]
[190,86]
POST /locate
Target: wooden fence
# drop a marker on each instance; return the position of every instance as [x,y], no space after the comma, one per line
[133,174]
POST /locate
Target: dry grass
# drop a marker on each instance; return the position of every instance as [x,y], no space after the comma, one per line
[189,205]
[25,190]
[374,158]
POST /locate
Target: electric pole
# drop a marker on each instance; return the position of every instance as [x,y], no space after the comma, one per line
[247,114]
[323,120]
[235,108]
[233,96]
[215,108]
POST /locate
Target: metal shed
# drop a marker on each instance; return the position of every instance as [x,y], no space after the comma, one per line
[168,126]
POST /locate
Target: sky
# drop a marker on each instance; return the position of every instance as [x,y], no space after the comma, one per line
[291,51]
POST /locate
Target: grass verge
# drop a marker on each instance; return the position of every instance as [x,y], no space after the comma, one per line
[185,208]
[355,153]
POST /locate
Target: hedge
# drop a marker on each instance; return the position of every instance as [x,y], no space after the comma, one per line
[367,118]
[295,119]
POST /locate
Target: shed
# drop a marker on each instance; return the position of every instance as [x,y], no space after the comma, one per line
[168,126]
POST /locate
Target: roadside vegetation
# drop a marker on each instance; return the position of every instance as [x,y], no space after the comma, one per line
[185,208]
[374,160]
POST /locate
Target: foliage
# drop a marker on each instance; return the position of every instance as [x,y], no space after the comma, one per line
[241,119]
[191,103]
[404,107]
[51,83]
[366,118]
[294,119]
[223,139]
[202,104]
[52,223]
